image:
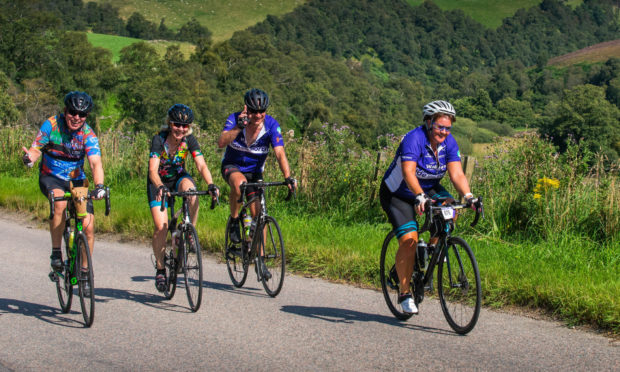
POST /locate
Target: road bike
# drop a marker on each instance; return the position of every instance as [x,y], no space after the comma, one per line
[76,250]
[458,278]
[183,252]
[261,243]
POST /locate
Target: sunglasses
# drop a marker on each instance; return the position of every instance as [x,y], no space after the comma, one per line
[180,125]
[250,111]
[73,112]
[442,128]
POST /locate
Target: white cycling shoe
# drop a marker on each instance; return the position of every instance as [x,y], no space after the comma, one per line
[407,304]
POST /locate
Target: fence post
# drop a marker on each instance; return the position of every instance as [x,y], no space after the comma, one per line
[469,162]
[377,164]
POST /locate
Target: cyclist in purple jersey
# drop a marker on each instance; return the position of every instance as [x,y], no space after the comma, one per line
[169,149]
[247,136]
[423,157]
[63,141]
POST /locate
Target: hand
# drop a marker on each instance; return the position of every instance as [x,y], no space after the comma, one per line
[161,191]
[243,120]
[473,203]
[213,190]
[291,183]
[421,200]
[99,192]
[26,158]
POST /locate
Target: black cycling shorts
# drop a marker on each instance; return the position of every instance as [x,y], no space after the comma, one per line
[172,185]
[401,212]
[48,183]
[229,169]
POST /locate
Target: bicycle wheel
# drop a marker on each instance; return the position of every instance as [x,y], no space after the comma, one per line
[87,297]
[170,265]
[192,266]
[389,277]
[271,252]
[64,288]
[459,285]
[235,262]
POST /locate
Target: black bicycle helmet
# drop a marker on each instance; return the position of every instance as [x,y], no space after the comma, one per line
[180,113]
[78,101]
[256,100]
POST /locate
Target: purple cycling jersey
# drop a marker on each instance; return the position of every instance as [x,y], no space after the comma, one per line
[250,158]
[415,146]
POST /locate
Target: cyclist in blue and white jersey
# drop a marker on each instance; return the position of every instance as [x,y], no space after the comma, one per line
[422,159]
[247,136]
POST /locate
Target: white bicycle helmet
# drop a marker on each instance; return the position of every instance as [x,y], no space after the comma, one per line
[437,107]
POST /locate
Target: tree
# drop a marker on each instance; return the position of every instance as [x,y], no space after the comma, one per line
[8,111]
[193,31]
[586,117]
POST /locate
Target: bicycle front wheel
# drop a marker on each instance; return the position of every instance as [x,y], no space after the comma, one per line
[270,256]
[192,267]
[458,280]
[64,288]
[86,283]
[389,277]
[235,262]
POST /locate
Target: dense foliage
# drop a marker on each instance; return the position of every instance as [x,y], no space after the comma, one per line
[369,65]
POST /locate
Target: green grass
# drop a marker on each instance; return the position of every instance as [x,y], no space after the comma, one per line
[490,13]
[116,43]
[571,278]
[222,18]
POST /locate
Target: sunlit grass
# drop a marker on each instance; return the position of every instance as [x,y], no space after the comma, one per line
[116,43]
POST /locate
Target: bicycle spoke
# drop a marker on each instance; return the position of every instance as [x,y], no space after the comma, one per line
[271,256]
[192,267]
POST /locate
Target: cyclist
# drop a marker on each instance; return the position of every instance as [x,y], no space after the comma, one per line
[422,159]
[63,141]
[169,149]
[247,135]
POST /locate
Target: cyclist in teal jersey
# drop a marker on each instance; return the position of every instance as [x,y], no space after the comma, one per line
[63,142]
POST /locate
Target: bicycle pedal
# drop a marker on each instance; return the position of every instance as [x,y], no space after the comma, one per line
[53,276]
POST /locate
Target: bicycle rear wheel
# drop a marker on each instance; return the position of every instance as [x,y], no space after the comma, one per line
[64,288]
[192,267]
[87,297]
[389,277]
[459,285]
[170,265]
[271,252]
[235,262]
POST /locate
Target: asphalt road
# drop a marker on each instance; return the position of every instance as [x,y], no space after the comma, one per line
[313,325]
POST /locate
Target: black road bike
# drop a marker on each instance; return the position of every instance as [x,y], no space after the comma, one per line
[261,243]
[458,278]
[76,250]
[183,252]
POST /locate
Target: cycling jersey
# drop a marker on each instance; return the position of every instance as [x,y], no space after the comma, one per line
[63,150]
[172,166]
[250,158]
[415,146]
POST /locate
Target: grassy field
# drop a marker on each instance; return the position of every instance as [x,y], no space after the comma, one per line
[222,18]
[595,53]
[116,43]
[488,12]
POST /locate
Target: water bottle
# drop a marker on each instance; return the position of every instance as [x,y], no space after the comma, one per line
[71,236]
[422,255]
[252,228]
[175,239]
[247,224]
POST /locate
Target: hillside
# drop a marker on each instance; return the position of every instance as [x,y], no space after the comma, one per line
[222,18]
[600,52]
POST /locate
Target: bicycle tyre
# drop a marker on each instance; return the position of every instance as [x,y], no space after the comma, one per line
[272,246]
[460,301]
[236,263]
[170,266]
[87,300]
[389,284]
[64,288]
[192,267]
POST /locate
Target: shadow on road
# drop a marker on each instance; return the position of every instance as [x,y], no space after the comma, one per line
[43,312]
[157,301]
[335,315]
